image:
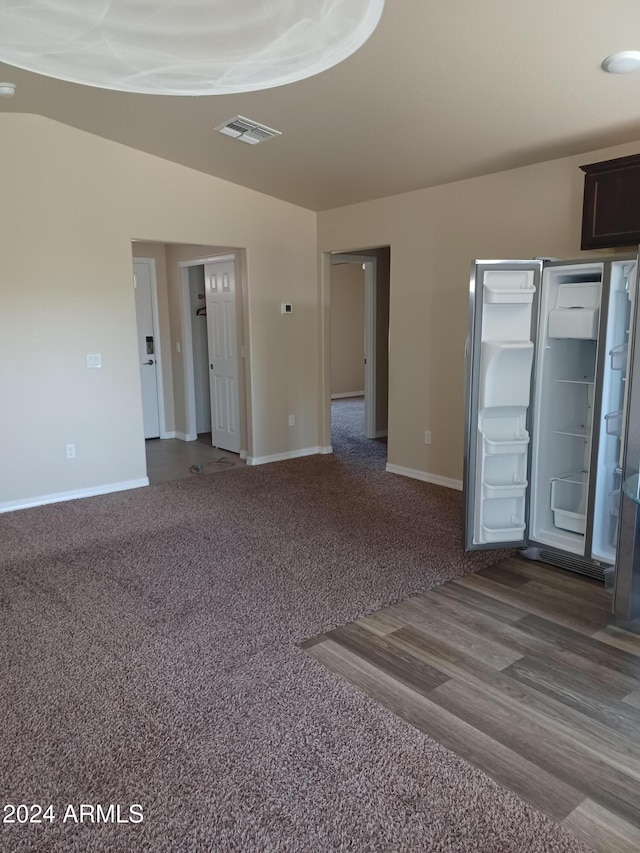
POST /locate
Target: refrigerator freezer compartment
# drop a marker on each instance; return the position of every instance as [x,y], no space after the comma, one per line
[503,534]
[492,448]
[618,357]
[613,421]
[574,323]
[569,501]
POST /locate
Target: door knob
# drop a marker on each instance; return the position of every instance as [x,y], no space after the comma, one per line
[151,361]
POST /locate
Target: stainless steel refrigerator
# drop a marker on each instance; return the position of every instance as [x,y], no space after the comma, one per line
[550,413]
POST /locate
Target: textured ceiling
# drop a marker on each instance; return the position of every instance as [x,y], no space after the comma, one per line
[441,91]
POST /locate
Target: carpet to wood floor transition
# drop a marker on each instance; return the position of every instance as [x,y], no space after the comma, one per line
[149,643]
[518,669]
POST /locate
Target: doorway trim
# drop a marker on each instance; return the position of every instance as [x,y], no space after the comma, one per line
[370,265]
[187,343]
[151,263]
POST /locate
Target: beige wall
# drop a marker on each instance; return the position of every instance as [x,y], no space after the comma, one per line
[347,328]
[434,234]
[70,205]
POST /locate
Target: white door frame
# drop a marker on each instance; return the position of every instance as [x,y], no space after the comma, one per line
[187,342]
[370,265]
[151,263]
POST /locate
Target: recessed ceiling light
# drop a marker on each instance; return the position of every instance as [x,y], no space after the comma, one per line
[623,62]
[7,90]
[203,47]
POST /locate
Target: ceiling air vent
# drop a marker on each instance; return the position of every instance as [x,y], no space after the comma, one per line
[246,130]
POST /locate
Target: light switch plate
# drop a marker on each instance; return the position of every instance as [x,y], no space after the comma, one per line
[94,359]
[286,308]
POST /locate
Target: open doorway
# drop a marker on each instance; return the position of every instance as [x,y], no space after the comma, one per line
[200,325]
[359,362]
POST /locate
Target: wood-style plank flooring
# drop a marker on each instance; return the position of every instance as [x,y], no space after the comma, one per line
[519,670]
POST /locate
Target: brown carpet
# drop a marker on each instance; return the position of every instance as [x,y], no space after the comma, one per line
[149,655]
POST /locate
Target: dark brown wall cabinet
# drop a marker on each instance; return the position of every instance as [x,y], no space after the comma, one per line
[611,210]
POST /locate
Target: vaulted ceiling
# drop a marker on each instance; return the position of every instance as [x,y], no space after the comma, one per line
[443,90]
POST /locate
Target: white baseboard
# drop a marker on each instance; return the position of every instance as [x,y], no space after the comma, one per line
[291,454]
[243,454]
[436,479]
[25,503]
[347,394]
[187,436]
[168,434]
[382,433]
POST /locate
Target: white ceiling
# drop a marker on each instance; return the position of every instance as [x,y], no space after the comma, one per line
[443,90]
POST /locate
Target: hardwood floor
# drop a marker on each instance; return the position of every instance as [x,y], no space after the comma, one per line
[519,670]
[171,459]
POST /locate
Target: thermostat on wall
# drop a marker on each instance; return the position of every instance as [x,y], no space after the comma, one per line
[286,308]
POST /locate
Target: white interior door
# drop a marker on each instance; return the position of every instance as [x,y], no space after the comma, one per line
[142,272]
[220,289]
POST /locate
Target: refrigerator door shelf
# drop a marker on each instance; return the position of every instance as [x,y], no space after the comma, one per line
[516,295]
[574,323]
[614,506]
[619,357]
[503,534]
[492,448]
[509,490]
[505,373]
[614,422]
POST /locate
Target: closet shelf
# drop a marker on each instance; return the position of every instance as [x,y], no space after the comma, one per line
[584,381]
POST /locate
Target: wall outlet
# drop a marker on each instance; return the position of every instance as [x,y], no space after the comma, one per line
[292,420]
[178,346]
[94,359]
[427,437]
[70,450]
